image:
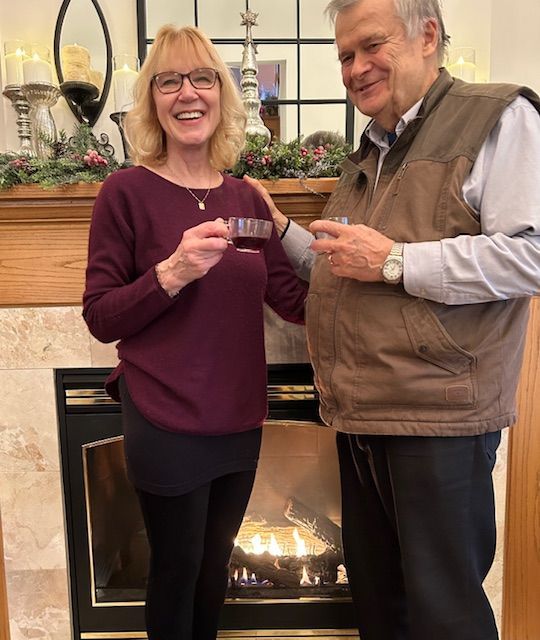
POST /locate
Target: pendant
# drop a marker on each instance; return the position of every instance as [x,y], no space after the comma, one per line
[202,206]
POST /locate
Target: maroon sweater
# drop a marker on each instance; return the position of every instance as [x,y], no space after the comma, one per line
[196,363]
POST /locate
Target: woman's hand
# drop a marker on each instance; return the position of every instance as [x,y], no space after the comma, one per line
[280,220]
[200,249]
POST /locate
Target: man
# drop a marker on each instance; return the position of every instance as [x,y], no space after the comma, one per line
[417,314]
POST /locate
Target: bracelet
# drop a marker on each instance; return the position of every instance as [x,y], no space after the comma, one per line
[282,235]
[171,294]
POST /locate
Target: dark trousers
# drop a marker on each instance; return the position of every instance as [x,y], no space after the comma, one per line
[191,538]
[419,534]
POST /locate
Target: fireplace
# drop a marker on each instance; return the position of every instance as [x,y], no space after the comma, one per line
[287,577]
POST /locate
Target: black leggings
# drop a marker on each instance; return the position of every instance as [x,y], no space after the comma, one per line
[191,538]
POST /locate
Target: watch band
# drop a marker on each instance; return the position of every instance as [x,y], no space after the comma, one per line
[397,249]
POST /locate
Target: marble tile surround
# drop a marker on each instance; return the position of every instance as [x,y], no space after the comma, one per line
[33,342]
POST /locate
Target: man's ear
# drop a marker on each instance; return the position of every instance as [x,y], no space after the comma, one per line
[430,37]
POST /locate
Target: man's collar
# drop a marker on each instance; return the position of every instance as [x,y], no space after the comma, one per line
[378,135]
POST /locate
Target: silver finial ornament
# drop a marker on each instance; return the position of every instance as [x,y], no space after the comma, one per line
[249,83]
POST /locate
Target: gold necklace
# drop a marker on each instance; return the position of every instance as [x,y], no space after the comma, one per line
[200,202]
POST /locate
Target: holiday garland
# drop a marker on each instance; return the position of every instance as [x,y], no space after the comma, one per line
[84,158]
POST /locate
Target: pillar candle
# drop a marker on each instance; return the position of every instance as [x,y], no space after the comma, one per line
[123,82]
[36,70]
[463,70]
[14,67]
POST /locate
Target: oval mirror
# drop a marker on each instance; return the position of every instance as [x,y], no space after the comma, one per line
[82,56]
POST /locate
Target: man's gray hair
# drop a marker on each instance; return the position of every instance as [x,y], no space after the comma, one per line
[413,13]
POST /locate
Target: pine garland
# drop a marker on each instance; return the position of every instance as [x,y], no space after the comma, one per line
[84,158]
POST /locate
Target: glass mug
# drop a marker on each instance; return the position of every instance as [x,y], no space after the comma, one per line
[323,235]
[249,234]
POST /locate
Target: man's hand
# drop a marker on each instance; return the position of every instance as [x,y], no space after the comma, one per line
[280,220]
[356,251]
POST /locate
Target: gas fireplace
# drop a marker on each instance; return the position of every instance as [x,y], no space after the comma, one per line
[287,577]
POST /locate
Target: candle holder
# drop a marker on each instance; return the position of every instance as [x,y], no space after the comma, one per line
[462,63]
[82,96]
[42,96]
[118,118]
[21,105]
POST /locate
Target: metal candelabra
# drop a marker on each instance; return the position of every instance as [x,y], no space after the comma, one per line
[14,93]
[249,82]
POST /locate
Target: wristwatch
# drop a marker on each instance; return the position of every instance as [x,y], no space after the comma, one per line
[392,268]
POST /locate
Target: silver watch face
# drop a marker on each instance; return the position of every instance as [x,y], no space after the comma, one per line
[392,269]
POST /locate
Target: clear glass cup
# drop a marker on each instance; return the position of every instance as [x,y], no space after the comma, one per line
[249,234]
[323,235]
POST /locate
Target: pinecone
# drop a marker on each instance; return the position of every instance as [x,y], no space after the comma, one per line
[59,149]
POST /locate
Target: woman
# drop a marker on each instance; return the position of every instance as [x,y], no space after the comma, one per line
[187,309]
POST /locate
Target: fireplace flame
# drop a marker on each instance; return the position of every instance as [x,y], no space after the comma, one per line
[305,581]
[274,547]
[257,545]
[300,544]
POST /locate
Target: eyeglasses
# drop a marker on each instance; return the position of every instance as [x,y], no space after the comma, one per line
[172,81]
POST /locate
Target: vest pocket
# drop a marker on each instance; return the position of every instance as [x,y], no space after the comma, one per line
[415,362]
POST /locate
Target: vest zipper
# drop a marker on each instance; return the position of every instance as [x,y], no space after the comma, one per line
[383,222]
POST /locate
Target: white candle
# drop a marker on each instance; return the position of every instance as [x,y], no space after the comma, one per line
[36,70]
[462,69]
[123,82]
[14,67]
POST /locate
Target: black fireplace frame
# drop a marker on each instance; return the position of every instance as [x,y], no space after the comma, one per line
[86,415]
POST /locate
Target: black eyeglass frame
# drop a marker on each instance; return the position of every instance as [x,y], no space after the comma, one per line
[188,76]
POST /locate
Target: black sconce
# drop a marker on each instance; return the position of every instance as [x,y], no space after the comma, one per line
[83,96]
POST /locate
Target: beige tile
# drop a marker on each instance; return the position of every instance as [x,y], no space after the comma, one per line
[43,338]
[285,342]
[39,605]
[28,423]
[103,355]
[33,521]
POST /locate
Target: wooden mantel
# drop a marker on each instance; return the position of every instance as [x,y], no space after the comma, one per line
[44,236]
[43,245]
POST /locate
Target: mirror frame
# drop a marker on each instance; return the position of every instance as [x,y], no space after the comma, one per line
[92,115]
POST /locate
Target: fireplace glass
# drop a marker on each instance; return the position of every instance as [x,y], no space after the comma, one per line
[286,569]
[288,545]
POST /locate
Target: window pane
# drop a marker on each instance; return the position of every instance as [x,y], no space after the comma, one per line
[313,22]
[160,12]
[222,19]
[288,122]
[268,56]
[322,117]
[320,75]
[277,18]
[360,123]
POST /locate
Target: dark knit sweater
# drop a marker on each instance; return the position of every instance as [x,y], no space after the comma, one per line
[196,363]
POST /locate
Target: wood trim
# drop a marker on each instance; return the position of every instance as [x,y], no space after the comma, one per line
[44,236]
[521,594]
[4,617]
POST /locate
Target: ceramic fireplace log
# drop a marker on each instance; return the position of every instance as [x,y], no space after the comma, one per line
[264,569]
[317,524]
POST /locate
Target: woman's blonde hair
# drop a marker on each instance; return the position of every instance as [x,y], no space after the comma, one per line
[143,130]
